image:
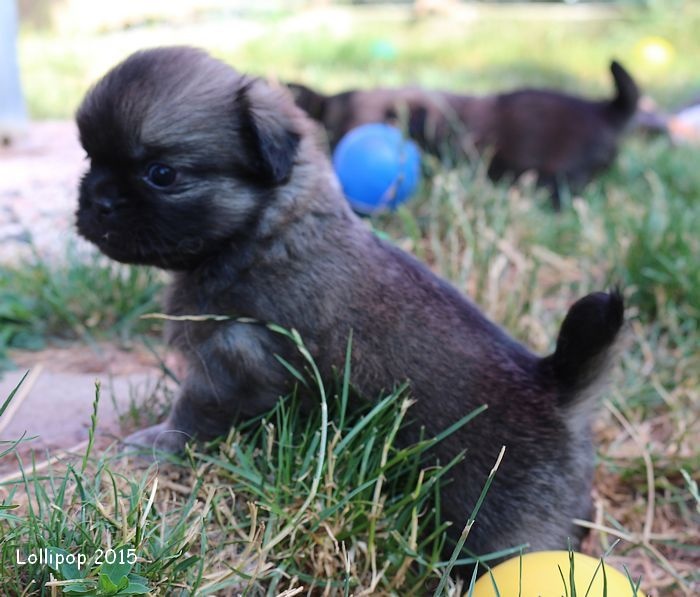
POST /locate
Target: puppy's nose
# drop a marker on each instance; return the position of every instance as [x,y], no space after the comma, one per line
[105,205]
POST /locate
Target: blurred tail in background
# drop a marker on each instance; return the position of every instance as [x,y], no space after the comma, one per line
[624,104]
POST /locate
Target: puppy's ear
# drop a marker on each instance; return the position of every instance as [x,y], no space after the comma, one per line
[267,131]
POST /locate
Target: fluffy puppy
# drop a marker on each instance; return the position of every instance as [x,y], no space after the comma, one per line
[566,140]
[216,176]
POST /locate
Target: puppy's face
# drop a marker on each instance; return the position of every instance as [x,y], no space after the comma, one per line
[184,155]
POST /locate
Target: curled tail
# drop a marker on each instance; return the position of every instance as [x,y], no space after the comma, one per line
[585,339]
[624,104]
[312,102]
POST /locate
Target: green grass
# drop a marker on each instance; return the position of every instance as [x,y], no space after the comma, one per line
[496,51]
[256,509]
[82,296]
[326,500]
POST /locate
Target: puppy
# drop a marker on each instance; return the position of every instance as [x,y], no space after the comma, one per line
[566,140]
[216,176]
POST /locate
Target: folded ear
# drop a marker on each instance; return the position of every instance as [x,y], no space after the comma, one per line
[267,131]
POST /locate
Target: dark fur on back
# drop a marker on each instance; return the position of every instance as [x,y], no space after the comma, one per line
[255,225]
[566,140]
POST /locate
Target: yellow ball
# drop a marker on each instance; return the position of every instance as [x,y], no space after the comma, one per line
[655,51]
[541,578]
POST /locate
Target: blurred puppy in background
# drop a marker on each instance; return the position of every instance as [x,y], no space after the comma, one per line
[218,177]
[564,139]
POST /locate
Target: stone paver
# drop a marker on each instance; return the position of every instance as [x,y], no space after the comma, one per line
[57,407]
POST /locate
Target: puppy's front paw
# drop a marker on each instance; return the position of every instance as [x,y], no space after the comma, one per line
[157,441]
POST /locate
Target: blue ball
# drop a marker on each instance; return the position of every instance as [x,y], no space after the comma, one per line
[377,168]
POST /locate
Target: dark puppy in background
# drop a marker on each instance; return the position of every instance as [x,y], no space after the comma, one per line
[200,170]
[566,140]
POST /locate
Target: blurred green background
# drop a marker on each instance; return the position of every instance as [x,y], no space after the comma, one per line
[471,47]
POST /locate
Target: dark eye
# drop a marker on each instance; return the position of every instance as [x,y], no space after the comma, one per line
[160,175]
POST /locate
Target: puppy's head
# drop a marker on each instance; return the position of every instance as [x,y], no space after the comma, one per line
[184,154]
